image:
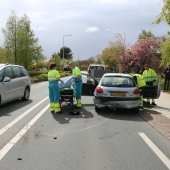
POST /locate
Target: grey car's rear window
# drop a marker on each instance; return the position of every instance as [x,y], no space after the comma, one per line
[24,71]
[1,74]
[118,81]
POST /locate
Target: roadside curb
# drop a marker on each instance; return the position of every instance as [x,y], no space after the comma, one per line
[157,120]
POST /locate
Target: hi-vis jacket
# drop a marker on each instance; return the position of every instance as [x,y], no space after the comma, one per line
[53,75]
[76,73]
[149,75]
[140,81]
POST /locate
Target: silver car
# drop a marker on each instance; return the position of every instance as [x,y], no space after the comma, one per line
[117,90]
[14,83]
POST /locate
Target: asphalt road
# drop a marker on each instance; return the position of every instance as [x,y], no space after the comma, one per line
[31,138]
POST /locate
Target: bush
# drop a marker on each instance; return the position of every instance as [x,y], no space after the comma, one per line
[64,74]
[43,76]
[36,73]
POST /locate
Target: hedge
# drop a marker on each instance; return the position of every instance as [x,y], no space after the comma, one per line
[43,75]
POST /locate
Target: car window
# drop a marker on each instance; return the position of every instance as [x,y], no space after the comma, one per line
[1,75]
[16,71]
[100,68]
[96,68]
[117,81]
[24,71]
[8,72]
[91,68]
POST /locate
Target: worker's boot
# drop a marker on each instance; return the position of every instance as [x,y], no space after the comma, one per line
[57,108]
[52,109]
[148,101]
[78,105]
[153,102]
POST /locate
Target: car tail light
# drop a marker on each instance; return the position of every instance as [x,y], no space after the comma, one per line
[136,91]
[99,90]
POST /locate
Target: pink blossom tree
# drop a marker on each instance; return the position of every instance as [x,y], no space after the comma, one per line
[142,52]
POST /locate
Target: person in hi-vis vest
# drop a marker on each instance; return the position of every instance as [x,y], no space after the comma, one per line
[150,76]
[78,83]
[140,84]
[54,91]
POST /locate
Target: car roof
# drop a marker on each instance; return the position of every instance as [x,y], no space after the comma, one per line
[118,74]
[96,65]
[3,65]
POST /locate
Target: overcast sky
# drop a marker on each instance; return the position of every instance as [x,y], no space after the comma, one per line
[91,23]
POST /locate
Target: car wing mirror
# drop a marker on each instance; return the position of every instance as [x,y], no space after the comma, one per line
[7,79]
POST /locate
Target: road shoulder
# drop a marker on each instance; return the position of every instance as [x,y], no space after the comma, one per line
[157,120]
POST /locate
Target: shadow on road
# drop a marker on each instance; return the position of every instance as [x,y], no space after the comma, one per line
[6,109]
[163,108]
[65,116]
[148,114]
[123,114]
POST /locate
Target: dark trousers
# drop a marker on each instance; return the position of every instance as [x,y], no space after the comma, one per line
[166,84]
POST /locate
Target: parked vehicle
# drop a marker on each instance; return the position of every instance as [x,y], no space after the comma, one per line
[96,71]
[14,83]
[117,90]
[96,67]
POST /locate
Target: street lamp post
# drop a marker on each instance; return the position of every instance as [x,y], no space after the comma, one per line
[63,42]
[63,46]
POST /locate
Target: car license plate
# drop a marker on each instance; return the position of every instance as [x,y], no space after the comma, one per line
[119,94]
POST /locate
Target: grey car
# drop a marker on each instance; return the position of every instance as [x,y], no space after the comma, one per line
[14,83]
[117,90]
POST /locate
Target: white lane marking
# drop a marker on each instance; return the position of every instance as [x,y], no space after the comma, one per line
[12,123]
[156,150]
[16,138]
[90,127]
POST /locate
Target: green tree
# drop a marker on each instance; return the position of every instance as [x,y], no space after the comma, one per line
[10,34]
[28,50]
[21,41]
[67,53]
[146,34]
[165,13]
[165,52]
[56,59]
[111,54]
[5,56]
[108,58]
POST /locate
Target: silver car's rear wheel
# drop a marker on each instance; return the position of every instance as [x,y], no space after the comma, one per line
[26,94]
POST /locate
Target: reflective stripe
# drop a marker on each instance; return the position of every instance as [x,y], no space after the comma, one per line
[51,106]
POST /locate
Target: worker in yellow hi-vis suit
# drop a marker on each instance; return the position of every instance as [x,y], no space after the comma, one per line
[150,76]
[54,91]
[78,84]
[140,81]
